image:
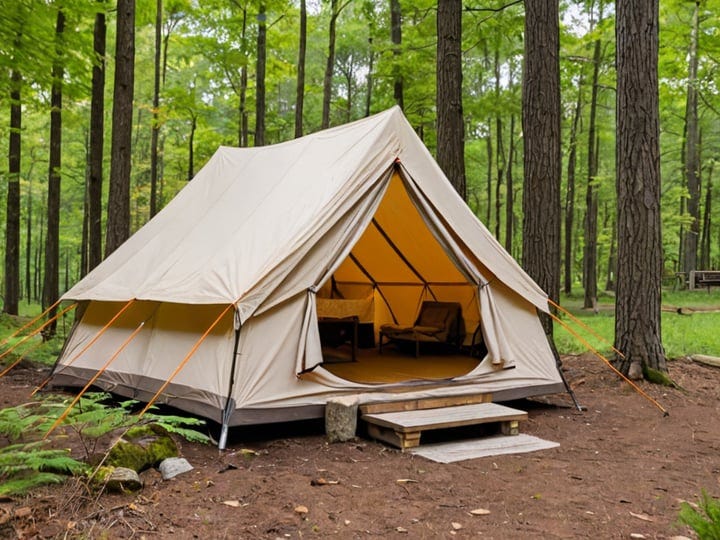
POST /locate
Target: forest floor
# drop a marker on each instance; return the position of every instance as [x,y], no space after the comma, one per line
[621,471]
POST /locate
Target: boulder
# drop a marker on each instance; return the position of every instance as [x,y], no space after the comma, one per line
[341,418]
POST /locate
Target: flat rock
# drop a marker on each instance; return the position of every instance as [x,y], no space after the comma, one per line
[171,467]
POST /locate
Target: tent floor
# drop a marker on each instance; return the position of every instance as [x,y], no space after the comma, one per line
[395,366]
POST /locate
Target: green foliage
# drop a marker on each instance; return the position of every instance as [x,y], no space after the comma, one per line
[705,520]
[33,460]
[28,465]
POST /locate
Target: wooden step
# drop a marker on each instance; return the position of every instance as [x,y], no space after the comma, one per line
[403,429]
[424,403]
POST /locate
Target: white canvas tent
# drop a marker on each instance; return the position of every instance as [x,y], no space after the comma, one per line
[253,241]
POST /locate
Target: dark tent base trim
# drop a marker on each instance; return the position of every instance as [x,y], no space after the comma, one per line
[73,377]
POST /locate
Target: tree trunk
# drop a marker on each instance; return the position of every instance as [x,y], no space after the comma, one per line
[12,216]
[692,161]
[489,173]
[155,134]
[640,250]
[51,288]
[300,90]
[705,261]
[244,117]
[191,147]
[97,141]
[569,258]
[260,77]
[591,197]
[509,199]
[118,220]
[541,129]
[396,38]
[450,122]
[329,66]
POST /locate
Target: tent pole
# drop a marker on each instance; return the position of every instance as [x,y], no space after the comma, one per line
[230,403]
[547,325]
[375,285]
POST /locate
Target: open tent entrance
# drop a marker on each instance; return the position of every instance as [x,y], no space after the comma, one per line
[397,270]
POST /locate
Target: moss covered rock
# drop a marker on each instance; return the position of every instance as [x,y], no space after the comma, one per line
[142,447]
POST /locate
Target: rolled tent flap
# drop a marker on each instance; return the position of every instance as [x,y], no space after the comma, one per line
[496,342]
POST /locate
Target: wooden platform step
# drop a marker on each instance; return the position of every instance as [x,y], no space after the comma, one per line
[403,429]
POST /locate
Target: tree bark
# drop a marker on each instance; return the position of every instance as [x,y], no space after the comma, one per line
[541,129]
[590,263]
[300,90]
[569,258]
[12,215]
[450,122]
[692,161]
[97,141]
[260,76]
[118,220]
[705,261]
[329,66]
[509,196]
[640,250]
[396,38]
[52,240]
[155,133]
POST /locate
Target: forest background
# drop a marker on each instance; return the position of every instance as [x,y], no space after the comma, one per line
[226,72]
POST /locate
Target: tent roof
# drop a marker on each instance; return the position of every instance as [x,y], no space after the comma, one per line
[248,208]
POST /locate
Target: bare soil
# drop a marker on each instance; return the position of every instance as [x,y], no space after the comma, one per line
[621,470]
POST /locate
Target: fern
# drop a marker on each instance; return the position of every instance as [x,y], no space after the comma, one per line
[177,425]
[21,485]
[705,521]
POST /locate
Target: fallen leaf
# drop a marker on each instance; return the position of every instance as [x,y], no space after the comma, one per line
[406,481]
[401,529]
[248,452]
[234,503]
[644,517]
[480,512]
[71,525]
[347,522]
[456,526]
[23,512]
[637,535]
[318,482]
[301,509]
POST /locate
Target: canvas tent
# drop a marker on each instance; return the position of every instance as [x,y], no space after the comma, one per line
[218,295]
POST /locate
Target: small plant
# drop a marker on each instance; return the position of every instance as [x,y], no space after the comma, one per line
[34,459]
[704,520]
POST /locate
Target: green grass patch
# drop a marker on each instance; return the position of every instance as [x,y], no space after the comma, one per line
[692,333]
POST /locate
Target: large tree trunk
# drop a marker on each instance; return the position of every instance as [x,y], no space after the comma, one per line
[396,38]
[118,221]
[300,89]
[155,134]
[52,241]
[260,77]
[12,216]
[450,123]
[640,257]
[541,129]
[569,258]
[97,141]
[692,161]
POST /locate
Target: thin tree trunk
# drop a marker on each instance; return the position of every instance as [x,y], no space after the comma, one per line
[12,216]
[329,66]
[640,250]
[509,196]
[705,261]
[396,38]
[591,197]
[300,90]
[369,80]
[450,121]
[569,258]
[191,148]
[244,126]
[489,174]
[154,137]
[97,141]
[692,162]
[260,77]
[118,221]
[52,240]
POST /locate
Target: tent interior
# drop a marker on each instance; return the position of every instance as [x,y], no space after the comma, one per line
[396,265]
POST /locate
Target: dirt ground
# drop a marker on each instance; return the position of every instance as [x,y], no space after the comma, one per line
[621,471]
